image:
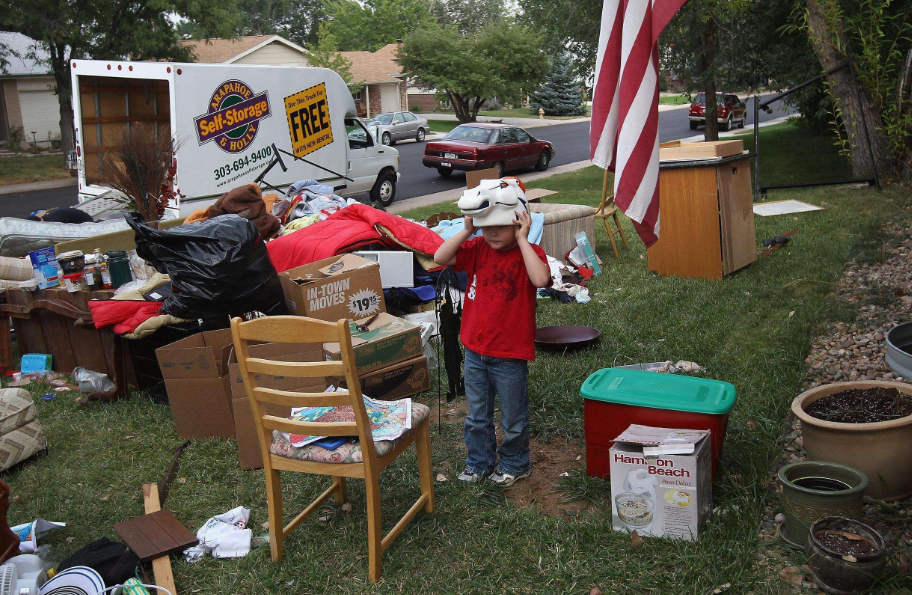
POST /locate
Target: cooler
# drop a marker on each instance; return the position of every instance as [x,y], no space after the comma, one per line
[615,398]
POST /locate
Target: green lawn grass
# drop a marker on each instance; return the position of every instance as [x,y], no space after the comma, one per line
[790,153]
[19,170]
[524,112]
[674,100]
[442,125]
[751,329]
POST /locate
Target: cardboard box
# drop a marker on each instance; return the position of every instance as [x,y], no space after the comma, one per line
[249,454]
[345,286]
[701,150]
[661,481]
[395,382]
[195,371]
[388,340]
[47,271]
[397,267]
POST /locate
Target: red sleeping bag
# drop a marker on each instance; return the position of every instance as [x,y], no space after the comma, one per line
[349,229]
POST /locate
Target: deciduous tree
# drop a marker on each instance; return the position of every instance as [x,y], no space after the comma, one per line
[371,24]
[501,61]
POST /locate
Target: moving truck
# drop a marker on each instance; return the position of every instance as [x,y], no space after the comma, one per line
[228,122]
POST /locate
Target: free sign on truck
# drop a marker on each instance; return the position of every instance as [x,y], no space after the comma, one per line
[224,121]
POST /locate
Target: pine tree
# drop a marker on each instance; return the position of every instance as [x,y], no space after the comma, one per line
[561,94]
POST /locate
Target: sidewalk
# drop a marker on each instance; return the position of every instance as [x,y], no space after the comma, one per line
[45,185]
[522,122]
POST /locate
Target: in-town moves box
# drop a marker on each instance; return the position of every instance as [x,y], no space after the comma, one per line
[387,340]
[195,371]
[394,382]
[249,453]
[661,481]
[345,286]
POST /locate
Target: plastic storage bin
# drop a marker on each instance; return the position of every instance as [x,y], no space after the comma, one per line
[615,398]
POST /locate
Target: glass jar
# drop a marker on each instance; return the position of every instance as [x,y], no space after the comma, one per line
[119,266]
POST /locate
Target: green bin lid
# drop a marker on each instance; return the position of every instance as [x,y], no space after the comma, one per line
[660,391]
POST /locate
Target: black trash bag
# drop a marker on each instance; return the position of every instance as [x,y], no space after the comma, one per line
[217,267]
[114,561]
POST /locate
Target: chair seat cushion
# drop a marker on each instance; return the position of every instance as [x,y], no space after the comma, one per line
[349,452]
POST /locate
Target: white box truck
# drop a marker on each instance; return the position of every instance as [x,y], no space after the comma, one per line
[227,122]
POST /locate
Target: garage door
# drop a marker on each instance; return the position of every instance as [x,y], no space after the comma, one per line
[40,113]
[389,98]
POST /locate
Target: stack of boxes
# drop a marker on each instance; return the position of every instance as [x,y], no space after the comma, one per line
[203,379]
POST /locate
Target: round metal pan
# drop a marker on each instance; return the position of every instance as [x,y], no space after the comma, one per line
[566,337]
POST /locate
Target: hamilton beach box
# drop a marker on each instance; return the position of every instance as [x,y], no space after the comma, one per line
[345,286]
[661,481]
[386,340]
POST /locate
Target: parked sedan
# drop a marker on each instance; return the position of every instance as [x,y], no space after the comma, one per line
[481,146]
[388,128]
[729,109]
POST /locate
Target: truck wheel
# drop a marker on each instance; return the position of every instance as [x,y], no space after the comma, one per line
[420,136]
[741,123]
[384,190]
[728,124]
[693,125]
[544,160]
[446,172]
[387,139]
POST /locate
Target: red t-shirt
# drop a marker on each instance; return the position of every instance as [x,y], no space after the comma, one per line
[498,318]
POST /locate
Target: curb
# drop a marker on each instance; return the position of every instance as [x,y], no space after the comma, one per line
[44,185]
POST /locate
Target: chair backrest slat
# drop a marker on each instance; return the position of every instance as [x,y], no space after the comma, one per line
[295,369]
[296,399]
[289,329]
[310,428]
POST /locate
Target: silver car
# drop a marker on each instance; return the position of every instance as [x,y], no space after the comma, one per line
[396,126]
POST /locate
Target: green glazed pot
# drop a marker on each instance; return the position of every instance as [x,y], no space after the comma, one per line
[819,496]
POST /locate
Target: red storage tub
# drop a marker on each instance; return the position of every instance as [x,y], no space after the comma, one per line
[615,398]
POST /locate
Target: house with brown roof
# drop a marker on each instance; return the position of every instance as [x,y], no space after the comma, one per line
[384,86]
[270,50]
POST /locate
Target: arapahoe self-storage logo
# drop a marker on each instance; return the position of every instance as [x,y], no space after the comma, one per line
[234,116]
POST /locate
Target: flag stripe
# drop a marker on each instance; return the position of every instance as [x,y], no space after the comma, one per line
[624,134]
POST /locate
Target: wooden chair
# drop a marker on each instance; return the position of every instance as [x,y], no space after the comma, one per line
[608,210]
[297,329]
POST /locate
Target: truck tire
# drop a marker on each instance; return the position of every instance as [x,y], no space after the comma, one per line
[384,190]
[728,124]
[693,125]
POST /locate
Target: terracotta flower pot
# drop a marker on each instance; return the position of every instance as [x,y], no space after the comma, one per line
[833,572]
[881,450]
[812,490]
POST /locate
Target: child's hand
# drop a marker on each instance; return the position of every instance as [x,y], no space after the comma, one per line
[524,221]
[469,225]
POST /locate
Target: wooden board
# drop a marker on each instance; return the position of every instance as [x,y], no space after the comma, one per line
[536,194]
[474,177]
[739,240]
[154,535]
[161,566]
[701,150]
[689,237]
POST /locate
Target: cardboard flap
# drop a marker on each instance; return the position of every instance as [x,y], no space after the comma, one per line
[346,263]
[662,440]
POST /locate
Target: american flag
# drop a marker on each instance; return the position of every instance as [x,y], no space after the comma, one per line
[624,131]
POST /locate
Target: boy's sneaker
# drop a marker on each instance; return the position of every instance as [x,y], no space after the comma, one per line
[471,477]
[505,479]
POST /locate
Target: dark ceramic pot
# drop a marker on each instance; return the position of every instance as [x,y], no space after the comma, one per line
[814,489]
[831,571]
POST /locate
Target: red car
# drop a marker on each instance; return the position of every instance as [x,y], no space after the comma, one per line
[729,109]
[481,146]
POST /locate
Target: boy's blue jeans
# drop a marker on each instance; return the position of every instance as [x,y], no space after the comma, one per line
[486,377]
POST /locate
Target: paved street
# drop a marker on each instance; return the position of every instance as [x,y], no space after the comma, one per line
[570,140]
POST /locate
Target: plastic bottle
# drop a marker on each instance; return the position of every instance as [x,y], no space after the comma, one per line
[90,271]
[103,271]
[582,240]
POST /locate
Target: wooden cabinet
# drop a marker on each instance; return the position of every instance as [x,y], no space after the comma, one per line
[706,226]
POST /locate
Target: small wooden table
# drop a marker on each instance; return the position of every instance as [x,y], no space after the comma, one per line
[706,226]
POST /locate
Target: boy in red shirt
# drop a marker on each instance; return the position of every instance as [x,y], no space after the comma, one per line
[498,327]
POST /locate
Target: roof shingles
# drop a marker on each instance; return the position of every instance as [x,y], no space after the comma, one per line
[216,50]
[375,67]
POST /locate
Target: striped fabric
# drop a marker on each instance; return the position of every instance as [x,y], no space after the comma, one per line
[624,131]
